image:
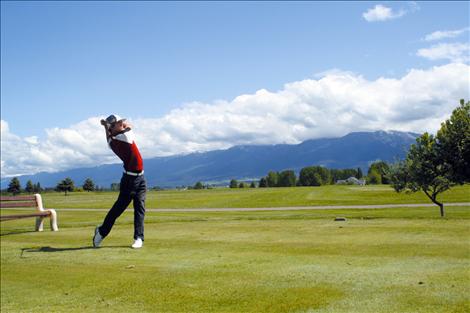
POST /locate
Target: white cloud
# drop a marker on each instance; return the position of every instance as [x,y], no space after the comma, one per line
[328,106]
[455,52]
[438,35]
[381,13]
[79,145]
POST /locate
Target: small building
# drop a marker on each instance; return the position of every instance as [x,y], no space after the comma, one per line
[351,181]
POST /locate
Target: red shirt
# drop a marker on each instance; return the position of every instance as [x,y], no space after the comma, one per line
[124,146]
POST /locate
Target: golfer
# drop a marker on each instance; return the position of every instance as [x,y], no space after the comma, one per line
[133,185]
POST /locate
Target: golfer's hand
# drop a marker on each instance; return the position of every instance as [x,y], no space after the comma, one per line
[127,126]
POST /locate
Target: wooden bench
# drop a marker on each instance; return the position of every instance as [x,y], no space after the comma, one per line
[29,202]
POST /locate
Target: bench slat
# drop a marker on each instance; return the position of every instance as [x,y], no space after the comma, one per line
[7,198]
[17,204]
[14,217]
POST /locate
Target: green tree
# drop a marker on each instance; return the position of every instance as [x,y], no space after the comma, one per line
[66,185]
[423,169]
[453,142]
[272,179]
[263,183]
[359,173]
[374,177]
[306,176]
[88,185]
[241,185]
[287,179]
[314,176]
[37,188]
[29,187]
[337,174]
[382,168]
[253,184]
[198,185]
[14,186]
[233,183]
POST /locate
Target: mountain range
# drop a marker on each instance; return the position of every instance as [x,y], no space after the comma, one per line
[247,162]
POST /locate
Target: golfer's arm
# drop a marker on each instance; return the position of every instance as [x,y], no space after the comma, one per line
[108,133]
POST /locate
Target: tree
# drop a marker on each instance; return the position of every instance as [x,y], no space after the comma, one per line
[14,186]
[381,168]
[233,183]
[337,174]
[88,185]
[374,177]
[314,176]
[453,142]
[306,176]
[263,183]
[272,179]
[359,173]
[423,169]
[37,188]
[241,185]
[198,185]
[65,185]
[252,185]
[287,179]
[29,187]
[115,186]
[435,164]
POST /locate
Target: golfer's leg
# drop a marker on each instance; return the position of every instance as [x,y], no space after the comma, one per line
[119,206]
[139,208]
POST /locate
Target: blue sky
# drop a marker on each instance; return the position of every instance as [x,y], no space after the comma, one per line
[63,63]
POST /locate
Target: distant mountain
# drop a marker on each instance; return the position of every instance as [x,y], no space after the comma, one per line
[248,162]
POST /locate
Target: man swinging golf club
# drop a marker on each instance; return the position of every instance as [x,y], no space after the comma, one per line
[133,185]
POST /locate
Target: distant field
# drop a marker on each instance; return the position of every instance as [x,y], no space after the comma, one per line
[259,197]
[381,260]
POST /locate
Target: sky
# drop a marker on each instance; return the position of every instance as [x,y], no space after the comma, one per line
[199,76]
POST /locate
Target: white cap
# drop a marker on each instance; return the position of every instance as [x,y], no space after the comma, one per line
[114,118]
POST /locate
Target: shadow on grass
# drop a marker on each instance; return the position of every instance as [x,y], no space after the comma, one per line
[16,232]
[51,249]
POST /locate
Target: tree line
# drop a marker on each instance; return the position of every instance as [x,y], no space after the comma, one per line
[319,176]
[66,185]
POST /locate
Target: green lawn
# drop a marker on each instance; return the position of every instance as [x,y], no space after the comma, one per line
[384,260]
[259,197]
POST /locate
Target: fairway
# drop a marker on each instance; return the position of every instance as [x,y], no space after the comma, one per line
[383,260]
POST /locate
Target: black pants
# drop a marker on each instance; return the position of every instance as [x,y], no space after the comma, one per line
[132,188]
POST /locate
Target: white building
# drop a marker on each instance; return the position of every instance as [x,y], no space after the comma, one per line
[351,181]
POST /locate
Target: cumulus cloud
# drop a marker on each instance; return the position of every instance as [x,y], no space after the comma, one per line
[330,105]
[381,13]
[439,35]
[455,52]
[81,144]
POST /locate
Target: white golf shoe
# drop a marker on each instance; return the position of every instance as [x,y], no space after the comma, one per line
[97,238]
[138,243]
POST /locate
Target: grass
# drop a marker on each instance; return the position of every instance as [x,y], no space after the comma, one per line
[384,260]
[259,197]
